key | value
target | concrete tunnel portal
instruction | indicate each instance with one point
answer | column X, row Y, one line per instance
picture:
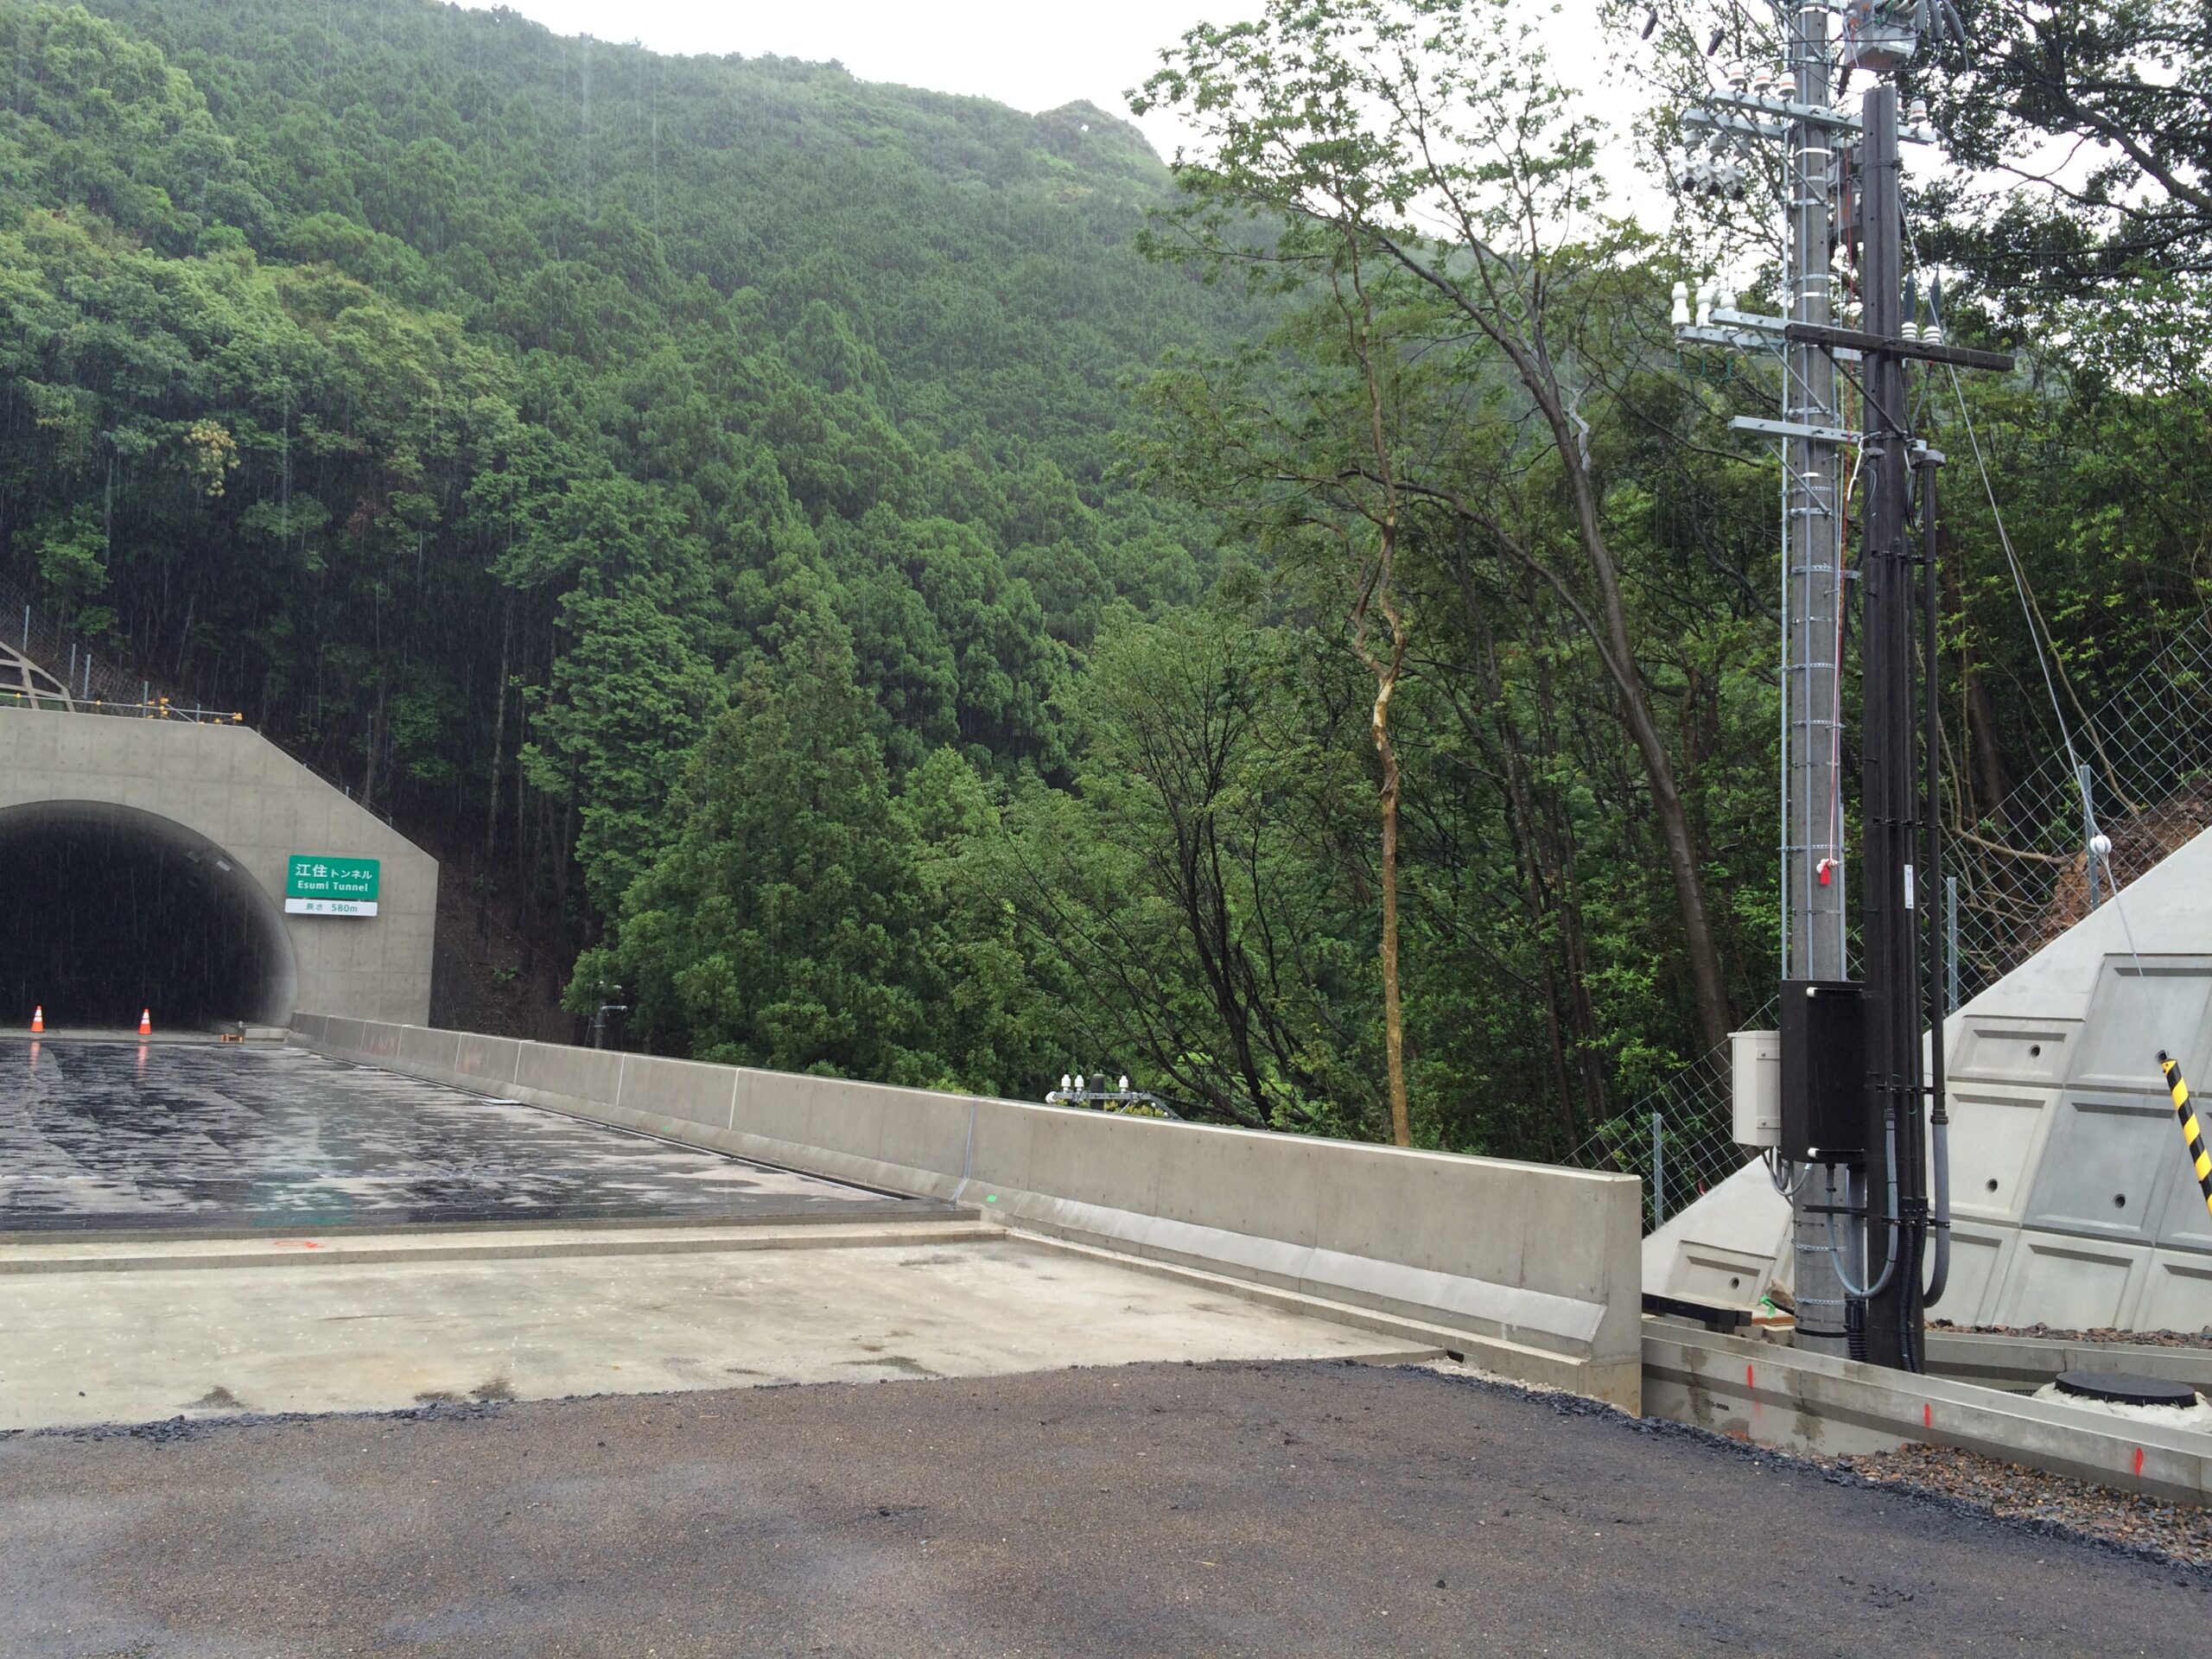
column 106, row 909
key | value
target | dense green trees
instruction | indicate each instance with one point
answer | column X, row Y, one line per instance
column 738, row 519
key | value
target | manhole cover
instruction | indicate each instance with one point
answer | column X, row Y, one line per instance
column 2122, row 1389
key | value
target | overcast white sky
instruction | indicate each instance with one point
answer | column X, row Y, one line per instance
column 1031, row 54
column 1035, row 55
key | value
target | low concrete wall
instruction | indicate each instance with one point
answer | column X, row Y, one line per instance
column 1537, row 1265
column 2028, row 1363
column 1794, row 1402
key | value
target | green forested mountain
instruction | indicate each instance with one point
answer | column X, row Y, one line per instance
column 739, row 518
column 369, row 361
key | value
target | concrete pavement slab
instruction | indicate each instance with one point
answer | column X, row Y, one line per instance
column 134, row 1346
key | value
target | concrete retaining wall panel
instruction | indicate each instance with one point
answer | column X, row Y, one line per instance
column 576, row 1074
column 348, row 1036
column 2134, row 1014
column 2177, row 1288
column 426, row 1048
column 488, row 1062
column 1980, row 1255
column 2183, row 1221
column 2076, row 1284
column 681, row 1090
column 2098, row 1174
column 1999, row 1048
column 1998, row 1133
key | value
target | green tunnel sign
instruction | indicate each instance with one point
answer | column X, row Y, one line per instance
column 318, row 885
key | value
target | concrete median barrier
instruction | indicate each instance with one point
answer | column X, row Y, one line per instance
column 1539, row 1266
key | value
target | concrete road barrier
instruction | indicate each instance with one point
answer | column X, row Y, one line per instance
column 1539, row 1266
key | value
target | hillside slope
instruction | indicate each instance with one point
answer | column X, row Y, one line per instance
column 470, row 404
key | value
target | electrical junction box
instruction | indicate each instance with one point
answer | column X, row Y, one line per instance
column 1879, row 35
column 1755, row 1086
column 1823, row 1070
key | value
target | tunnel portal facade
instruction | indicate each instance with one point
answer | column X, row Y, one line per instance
column 157, row 865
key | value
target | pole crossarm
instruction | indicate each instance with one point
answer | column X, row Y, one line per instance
column 1767, row 429
column 1828, row 338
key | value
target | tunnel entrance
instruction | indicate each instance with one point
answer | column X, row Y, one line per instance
column 105, row 909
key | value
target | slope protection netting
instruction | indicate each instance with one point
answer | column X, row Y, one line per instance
column 97, row 680
column 2018, row 878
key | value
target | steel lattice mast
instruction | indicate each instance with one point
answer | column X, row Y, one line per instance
column 1857, row 1097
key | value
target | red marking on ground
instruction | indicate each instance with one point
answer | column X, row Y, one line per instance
column 298, row 1244
column 1747, row 1378
column 2139, row 1460
column 1927, row 1415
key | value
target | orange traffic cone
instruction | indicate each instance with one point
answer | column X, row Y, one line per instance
column 38, row 1018
column 145, row 1022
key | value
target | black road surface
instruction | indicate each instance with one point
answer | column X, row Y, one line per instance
column 98, row 1135
column 1277, row 1511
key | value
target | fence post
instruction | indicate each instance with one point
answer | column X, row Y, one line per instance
column 2088, row 830
column 1658, row 1171
column 1951, row 944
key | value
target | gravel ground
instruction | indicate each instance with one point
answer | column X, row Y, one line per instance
column 2101, row 1333
column 1288, row 1509
column 2173, row 1532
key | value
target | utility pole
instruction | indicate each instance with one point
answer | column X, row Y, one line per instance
column 1890, row 795
column 1858, row 1096
column 1813, row 869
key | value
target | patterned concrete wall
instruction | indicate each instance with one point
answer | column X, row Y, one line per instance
column 230, row 789
column 2073, row 1199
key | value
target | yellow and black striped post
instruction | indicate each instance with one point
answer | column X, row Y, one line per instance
column 2189, row 1132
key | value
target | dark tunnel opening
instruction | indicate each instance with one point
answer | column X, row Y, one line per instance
column 105, row 909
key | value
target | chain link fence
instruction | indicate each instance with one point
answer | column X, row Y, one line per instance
column 1680, row 1138
column 97, row 680
column 2141, row 768
column 35, row 648
column 2018, row 878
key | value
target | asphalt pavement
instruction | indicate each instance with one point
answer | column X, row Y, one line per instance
column 1277, row 1509
column 104, row 1135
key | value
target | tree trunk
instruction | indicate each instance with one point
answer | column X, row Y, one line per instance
column 1558, row 847
column 499, row 726
column 1714, row 1018
column 1986, row 755
column 1393, row 1028
column 1529, row 845
column 1531, row 362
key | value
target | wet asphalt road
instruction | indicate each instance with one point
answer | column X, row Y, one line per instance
column 1277, row 1511
column 97, row 1134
